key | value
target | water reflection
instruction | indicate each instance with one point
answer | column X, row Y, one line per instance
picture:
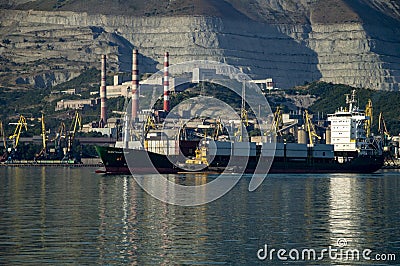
column 344, row 203
column 146, row 230
column 73, row 216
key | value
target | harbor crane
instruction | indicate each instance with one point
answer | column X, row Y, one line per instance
column 43, row 151
column 15, row 137
column 58, row 138
column 310, row 128
column 382, row 129
column 278, row 121
column 17, row 132
column 150, row 124
column 3, row 136
column 77, row 121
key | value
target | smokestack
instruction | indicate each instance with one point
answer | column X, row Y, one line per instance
column 166, row 82
column 103, row 93
column 135, row 84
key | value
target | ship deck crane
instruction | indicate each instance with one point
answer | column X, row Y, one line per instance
column 310, row 128
column 150, row 124
column 369, row 113
column 219, row 128
column 278, row 121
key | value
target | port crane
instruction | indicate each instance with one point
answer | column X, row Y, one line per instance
column 150, row 124
column 60, row 135
column 17, row 132
column 310, row 128
column 3, row 135
column 382, row 126
column 77, row 121
column 382, row 129
column 278, row 121
column 43, row 151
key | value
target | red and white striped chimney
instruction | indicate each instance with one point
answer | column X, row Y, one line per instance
column 166, row 82
column 135, row 84
column 103, row 93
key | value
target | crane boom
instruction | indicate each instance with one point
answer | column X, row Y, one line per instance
column 77, row 121
column 382, row 129
column 310, row 128
column 278, row 121
column 17, row 132
column 3, row 135
column 43, row 152
column 368, row 122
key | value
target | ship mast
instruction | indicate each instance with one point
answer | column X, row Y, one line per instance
column 351, row 101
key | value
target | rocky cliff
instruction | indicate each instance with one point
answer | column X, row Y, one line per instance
column 351, row 42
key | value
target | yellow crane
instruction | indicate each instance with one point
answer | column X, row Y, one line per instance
column 310, row 128
column 369, row 113
column 17, row 132
column 243, row 112
column 150, row 124
column 43, row 152
column 245, row 117
column 77, row 121
column 278, row 121
column 219, row 128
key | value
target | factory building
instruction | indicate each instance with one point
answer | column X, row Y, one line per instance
column 76, row 104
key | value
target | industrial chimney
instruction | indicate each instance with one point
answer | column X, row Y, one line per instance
column 166, row 82
column 103, row 93
column 135, row 84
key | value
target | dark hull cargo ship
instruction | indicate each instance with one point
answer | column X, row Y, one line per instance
column 350, row 150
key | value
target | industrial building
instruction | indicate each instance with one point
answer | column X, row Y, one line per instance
column 80, row 104
column 133, row 88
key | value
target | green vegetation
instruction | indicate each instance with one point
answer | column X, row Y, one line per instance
column 331, row 96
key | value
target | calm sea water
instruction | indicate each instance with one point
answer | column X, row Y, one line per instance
column 74, row 216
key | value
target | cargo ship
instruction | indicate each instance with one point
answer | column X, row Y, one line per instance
column 348, row 149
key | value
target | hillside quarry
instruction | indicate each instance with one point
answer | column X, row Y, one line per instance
column 47, row 42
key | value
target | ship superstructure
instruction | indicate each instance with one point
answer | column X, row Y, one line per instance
column 348, row 131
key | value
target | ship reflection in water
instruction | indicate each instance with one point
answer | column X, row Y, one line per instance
column 65, row 215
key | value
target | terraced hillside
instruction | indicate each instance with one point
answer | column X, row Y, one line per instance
column 355, row 42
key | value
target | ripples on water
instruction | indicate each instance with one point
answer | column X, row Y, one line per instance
column 66, row 215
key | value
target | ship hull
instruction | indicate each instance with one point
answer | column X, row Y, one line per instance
column 145, row 162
